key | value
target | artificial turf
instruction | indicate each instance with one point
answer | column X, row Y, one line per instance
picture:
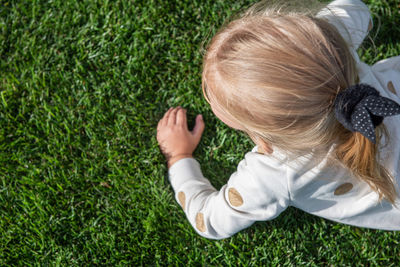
column 82, row 181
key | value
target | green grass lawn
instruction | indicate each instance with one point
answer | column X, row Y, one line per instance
column 82, row 181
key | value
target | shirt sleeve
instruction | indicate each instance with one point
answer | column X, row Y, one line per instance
column 257, row 191
column 351, row 18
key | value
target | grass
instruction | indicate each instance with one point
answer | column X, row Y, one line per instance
column 82, row 182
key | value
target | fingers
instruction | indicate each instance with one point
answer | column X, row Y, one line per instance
column 166, row 115
column 181, row 117
column 198, row 127
column 172, row 116
column 164, row 119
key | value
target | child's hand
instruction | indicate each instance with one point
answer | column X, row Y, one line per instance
column 175, row 140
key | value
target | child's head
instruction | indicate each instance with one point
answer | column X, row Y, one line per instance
column 275, row 76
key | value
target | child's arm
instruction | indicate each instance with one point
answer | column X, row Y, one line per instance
column 351, row 18
column 248, row 196
column 256, row 191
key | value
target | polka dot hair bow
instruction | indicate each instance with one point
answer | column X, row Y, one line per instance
column 360, row 108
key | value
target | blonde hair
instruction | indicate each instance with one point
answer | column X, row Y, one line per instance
column 276, row 73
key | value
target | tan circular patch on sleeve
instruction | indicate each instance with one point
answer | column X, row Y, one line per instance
column 370, row 25
column 200, row 222
column 343, row 189
column 391, row 87
column 234, row 197
column 182, row 199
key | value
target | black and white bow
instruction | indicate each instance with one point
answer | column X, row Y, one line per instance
column 360, row 108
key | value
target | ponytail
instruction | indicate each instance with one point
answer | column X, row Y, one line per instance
column 360, row 155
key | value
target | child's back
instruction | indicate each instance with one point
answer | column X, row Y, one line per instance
column 331, row 179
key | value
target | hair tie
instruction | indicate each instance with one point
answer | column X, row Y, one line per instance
column 360, row 108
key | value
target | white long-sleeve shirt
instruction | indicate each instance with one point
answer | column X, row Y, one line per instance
column 264, row 185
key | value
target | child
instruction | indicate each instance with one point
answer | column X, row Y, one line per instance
column 295, row 84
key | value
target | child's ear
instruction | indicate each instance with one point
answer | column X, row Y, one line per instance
column 264, row 147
